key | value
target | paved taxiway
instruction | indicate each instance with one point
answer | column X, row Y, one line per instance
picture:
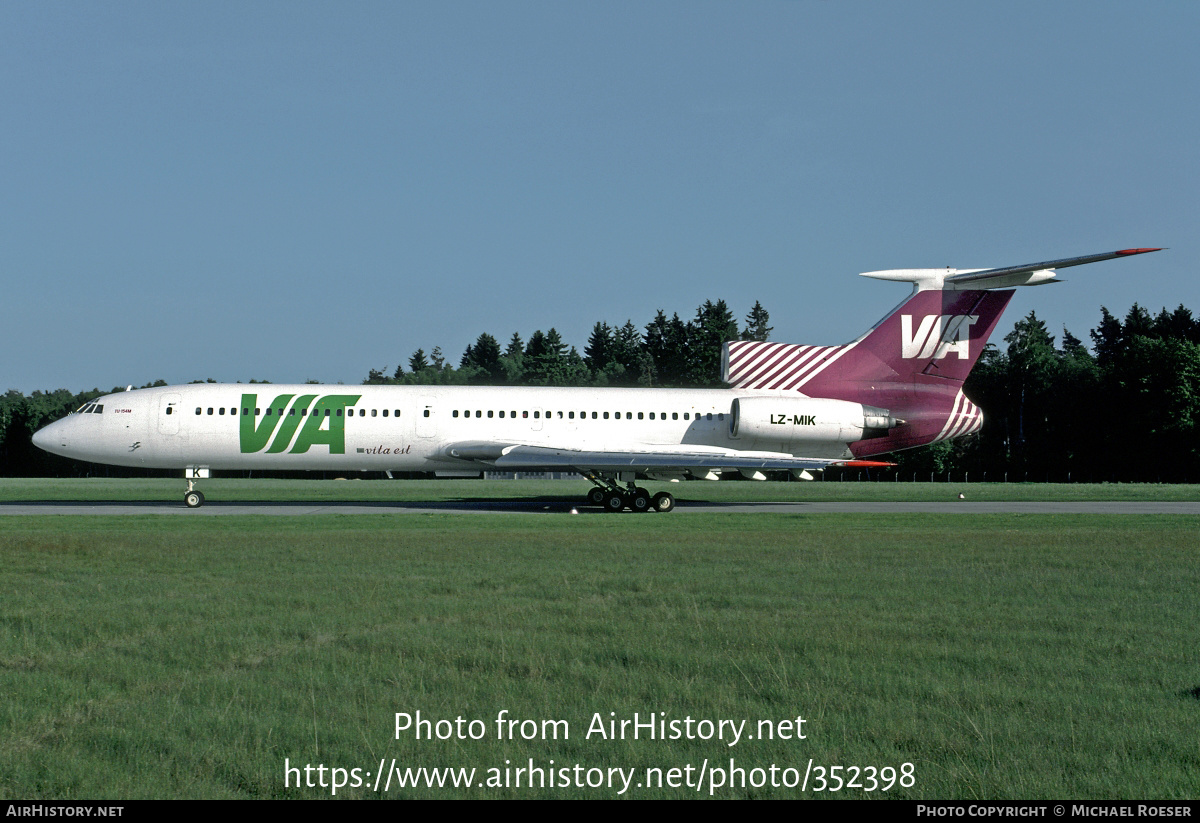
column 220, row 509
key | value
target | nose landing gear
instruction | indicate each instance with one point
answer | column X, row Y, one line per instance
column 194, row 498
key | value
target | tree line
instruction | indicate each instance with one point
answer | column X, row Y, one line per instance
column 667, row 352
column 1127, row 408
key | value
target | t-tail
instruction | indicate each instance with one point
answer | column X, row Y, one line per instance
column 912, row 364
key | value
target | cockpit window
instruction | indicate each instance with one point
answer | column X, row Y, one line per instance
column 90, row 408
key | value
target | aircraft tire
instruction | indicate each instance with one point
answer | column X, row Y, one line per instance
column 193, row 499
column 639, row 501
column 596, row 496
column 663, row 502
column 614, row 502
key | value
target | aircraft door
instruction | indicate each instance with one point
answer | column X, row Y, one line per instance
column 168, row 414
column 426, row 417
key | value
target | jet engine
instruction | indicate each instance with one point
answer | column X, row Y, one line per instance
column 786, row 421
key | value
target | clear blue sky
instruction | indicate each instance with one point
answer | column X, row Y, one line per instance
column 301, row 190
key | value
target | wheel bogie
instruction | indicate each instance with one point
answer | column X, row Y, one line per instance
column 193, row 499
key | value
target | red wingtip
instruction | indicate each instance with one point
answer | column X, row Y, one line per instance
column 1135, row 251
column 866, row 464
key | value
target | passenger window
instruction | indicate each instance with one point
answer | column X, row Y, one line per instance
column 594, row 415
column 168, row 409
column 628, row 415
column 385, row 412
column 375, row 413
column 397, row 414
column 197, row 410
column 640, row 416
column 651, row 415
column 502, row 413
column 537, row 415
column 339, row 412
column 222, row 411
column 686, row 416
column 454, row 413
column 674, row 415
column 570, row 415
column 710, row 415
column 210, row 410
column 491, row 413
column 606, row 415
column 427, row 413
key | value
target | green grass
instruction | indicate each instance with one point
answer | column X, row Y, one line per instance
column 1005, row 657
column 315, row 490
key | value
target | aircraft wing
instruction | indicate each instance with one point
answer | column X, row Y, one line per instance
column 522, row 457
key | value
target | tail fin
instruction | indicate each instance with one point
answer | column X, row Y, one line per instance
column 912, row 362
column 934, row 334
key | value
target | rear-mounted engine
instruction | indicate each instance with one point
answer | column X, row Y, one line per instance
column 794, row 419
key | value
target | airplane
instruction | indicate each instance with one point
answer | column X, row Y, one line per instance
column 787, row 407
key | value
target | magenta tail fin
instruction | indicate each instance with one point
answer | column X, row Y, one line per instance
column 912, row 364
column 933, row 335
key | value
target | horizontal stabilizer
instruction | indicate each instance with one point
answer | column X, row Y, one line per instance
column 1029, row 274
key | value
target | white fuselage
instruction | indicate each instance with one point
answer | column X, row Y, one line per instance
column 407, row 428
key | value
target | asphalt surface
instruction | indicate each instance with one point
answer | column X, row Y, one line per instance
column 282, row 509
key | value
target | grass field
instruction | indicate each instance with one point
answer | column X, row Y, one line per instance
column 1003, row 656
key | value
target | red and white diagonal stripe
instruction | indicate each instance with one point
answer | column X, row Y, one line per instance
column 783, row 366
column 965, row 418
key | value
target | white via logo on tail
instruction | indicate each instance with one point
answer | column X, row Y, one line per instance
column 936, row 336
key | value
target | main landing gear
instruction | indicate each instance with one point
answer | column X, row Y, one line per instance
column 609, row 494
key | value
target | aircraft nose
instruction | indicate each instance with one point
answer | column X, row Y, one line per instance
column 51, row 438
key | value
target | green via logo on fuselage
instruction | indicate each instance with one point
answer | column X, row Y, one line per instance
column 284, row 417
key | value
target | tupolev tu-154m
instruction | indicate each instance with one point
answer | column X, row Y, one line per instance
column 787, row 407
